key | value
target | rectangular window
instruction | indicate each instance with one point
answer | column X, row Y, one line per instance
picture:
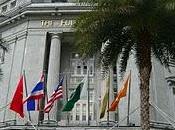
column 91, row 95
column 84, row 70
column 13, row 4
column 90, row 70
column 77, row 112
column 84, row 112
column 90, row 116
column 91, row 111
column 4, row 9
column 78, row 69
column 71, row 116
column 77, row 117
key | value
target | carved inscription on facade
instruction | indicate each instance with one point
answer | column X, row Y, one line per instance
column 46, row 23
column 57, row 23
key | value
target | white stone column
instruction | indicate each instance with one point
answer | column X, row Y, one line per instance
column 54, row 69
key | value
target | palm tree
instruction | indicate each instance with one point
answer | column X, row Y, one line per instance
column 146, row 27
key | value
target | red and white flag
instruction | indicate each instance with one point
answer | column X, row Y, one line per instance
column 57, row 94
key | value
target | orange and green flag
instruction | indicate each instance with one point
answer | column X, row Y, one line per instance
column 122, row 93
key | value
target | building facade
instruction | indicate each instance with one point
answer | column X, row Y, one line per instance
column 40, row 37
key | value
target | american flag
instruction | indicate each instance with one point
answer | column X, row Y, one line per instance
column 57, row 94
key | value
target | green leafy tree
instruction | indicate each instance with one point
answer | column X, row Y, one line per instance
column 146, row 27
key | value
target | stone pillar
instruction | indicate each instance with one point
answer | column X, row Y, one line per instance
column 54, row 69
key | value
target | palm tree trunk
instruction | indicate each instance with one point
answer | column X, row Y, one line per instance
column 144, row 64
column 144, row 98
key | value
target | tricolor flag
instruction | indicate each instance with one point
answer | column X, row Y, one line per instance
column 33, row 105
column 17, row 101
column 57, row 94
column 121, row 93
column 36, row 94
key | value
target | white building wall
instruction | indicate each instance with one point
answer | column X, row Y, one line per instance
column 29, row 56
column 161, row 94
column 134, row 96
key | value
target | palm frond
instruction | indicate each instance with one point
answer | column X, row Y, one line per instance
column 160, row 53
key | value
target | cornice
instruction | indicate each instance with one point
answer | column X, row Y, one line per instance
column 48, row 9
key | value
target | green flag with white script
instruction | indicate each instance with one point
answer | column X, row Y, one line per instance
column 75, row 96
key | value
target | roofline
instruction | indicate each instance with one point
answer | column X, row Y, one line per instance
column 44, row 8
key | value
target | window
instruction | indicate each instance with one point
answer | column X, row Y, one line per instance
column 91, row 112
column 71, row 116
column 13, row 4
column 90, row 70
column 91, row 95
column 84, row 112
column 84, row 69
column 4, row 9
column 77, row 112
column 78, row 69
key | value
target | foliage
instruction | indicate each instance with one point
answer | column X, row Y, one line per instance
column 144, row 27
column 121, row 22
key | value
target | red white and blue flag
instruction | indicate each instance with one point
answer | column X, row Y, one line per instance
column 57, row 94
column 36, row 94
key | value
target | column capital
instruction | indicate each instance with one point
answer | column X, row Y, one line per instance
column 56, row 35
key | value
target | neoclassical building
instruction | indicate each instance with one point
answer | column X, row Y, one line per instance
column 40, row 37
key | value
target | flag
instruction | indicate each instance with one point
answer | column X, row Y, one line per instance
column 57, row 94
column 36, row 94
column 33, row 105
column 122, row 93
column 38, row 90
column 105, row 99
column 17, row 101
column 75, row 96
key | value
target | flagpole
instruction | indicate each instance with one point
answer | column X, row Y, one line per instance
column 108, row 97
column 88, row 97
column 129, row 95
column 26, row 92
column 23, row 55
column 67, row 100
column 47, row 98
column 41, row 102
